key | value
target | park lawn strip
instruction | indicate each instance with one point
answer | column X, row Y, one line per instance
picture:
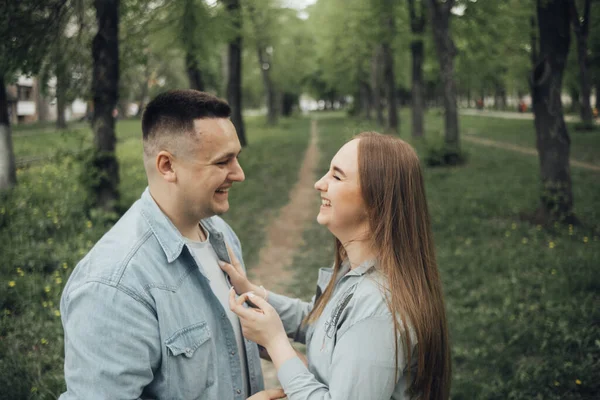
column 585, row 146
column 522, row 301
column 45, row 229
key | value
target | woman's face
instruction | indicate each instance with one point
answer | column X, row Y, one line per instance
column 343, row 210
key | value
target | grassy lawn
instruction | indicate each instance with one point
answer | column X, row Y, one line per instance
column 522, row 301
column 585, row 146
column 45, row 230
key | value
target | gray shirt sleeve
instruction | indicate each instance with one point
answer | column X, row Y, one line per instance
column 112, row 343
column 363, row 366
column 292, row 312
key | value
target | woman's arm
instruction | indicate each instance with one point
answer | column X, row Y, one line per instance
column 363, row 363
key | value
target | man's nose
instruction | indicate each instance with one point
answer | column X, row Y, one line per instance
column 237, row 174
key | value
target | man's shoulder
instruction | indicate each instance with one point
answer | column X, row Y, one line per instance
column 129, row 244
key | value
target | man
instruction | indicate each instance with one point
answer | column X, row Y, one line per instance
column 145, row 313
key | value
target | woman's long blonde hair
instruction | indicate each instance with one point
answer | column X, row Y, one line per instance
column 394, row 194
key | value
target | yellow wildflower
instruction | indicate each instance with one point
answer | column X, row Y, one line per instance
column 65, row 265
column 44, row 341
column 20, row 272
column 577, row 381
column 47, row 289
column 585, row 239
column 524, row 240
column 45, row 304
column 556, row 383
column 553, row 272
column 12, row 284
column 514, row 226
column 58, row 281
column 57, row 313
column 88, row 224
column 551, row 245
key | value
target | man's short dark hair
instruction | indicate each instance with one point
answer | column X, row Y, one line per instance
column 174, row 112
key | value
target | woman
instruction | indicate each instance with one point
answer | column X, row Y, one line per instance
column 376, row 328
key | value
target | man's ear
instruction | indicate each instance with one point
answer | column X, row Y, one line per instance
column 164, row 166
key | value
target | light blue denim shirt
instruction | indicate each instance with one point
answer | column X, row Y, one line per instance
column 351, row 346
column 141, row 321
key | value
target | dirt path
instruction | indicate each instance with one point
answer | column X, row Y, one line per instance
column 284, row 235
column 525, row 150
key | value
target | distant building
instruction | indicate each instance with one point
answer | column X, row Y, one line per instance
column 27, row 104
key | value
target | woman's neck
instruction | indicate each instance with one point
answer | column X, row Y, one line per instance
column 359, row 251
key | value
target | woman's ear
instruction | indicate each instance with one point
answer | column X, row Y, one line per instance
column 164, row 166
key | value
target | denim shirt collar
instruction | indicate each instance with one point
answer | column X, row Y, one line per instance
column 169, row 237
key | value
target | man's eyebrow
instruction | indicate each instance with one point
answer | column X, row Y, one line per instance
column 339, row 170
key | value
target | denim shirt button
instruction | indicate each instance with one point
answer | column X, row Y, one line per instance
column 238, row 391
column 188, row 352
column 233, row 353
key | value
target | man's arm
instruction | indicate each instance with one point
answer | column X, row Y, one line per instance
column 112, row 342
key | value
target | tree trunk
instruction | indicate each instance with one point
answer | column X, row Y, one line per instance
column 271, row 94
column 61, row 101
column 574, row 94
column 376, row 83
column 388, row 75
column 552, row 137
column 288, row 100
column 417, row 27
column 440, row 22
column 365, row 99
column 581, row 29
column 234, row 72
column 418, row 103
column 193, row 71
column 8, row 175
column 105, row 85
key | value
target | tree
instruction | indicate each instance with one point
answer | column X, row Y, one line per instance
column 553, row 140
column 417, row 27
column 439, row 12
column 262, row 18
column 105, row 87
column 234, row 70
column 581, row 27
column 27, row 28
column 387, row 11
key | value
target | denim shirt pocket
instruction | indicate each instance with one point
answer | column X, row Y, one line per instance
column 191, row 361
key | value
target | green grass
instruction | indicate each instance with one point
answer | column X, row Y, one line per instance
column 522, row 302
column 585, row 146
column 45, row 230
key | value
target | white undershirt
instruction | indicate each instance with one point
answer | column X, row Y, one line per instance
column 205, row 255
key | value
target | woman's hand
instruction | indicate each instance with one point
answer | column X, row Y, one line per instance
column 262, row 325
column 269, row 394
column 236, row 273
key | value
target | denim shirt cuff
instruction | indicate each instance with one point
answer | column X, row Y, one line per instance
column 290, row 370
column 277, row 301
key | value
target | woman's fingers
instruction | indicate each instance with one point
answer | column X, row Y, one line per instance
column 259, row 302
column 275, row 393
column 232, row 257
column 237, row 305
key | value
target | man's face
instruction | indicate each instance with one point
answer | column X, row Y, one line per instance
column 208, row 169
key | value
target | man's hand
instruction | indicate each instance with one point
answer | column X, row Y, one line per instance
column 269, row 394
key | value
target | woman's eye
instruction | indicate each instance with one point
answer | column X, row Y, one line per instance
column 336, row 177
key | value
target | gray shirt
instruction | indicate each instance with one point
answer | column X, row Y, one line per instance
column 204, row 254
column 350, row 348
